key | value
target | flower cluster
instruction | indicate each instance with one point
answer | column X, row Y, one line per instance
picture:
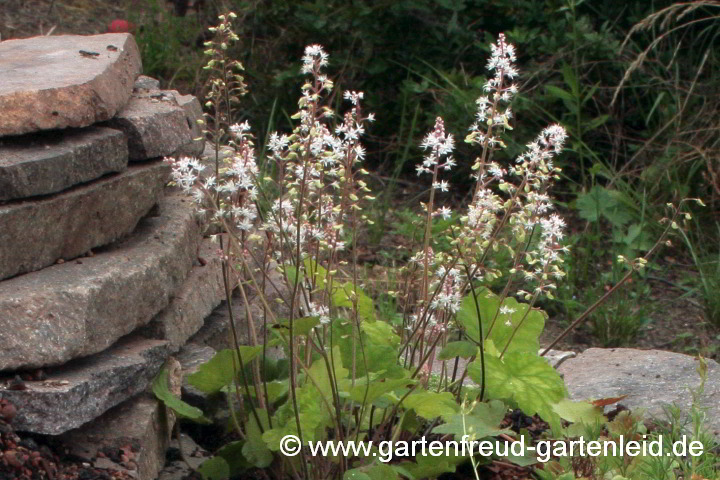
column 440, row 146
column 318, row 176
column 490, row 111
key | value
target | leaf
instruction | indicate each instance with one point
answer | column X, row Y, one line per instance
column 595, row 123
column 301, row 326
column 380, row 333
column 374, row 471
column 378, row 388
column 529, row 327
column 315, row 273
column 462, row 348
column 214, row 468
column 163, row 393
column 579, row 412
column 601, row 202
column 604, row 402
column 314, row 400
column 591, row 205
column 255, row 450
column 560, row 93
column 220, row 370
column 275, row 390
column 380, row 357
column 427, row 466
column 483, row 421
column 343, row 295
column 232, row 453
column 431, row 405
column 524, row 378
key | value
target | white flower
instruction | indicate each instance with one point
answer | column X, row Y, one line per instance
column 314, row 55
column 444, row 212
column 505, row 310
column 354, row 97
column 442, row 185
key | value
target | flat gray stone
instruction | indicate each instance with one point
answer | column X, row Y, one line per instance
column 141, row 427
column 156, row 126
column 37, row 232
column 80, row 308
column 84, row 389
column 48, row 82
column 49, row 162
column 202, row 291
column 651, row 379
column 194, row 112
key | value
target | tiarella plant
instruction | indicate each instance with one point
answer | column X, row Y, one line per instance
column 287, row 230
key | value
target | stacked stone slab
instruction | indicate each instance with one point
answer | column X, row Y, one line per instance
column 104, row 272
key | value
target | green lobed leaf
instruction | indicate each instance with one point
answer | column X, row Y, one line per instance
column 255, row 451
column 579, row 412
column 219, row 371
column 374, row 471
column 214, row 468
column 426, row 466
column 524, row 378
column 483, row 421
column 462, row 348
column 431, row 405
column 529, row 327
column 232, row 453
column 301, row 326
column 314, row 400
column 377, row 388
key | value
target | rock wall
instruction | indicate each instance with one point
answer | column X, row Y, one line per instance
column 104, row 271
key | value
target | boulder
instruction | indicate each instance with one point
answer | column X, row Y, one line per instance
column 36, row 233
column 84, row 389
column 651, row 379
column 82, row 307
column 49, row 162
column 131, row 438
column 156, row 126
column 202, row 291
column 61, row 81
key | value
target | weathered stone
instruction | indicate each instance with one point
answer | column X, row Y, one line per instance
column 140, row 427
column 202, row 291
column 194, row 112
column 194, row 454
column 80, row 308
column 649, row 378
column 36, row 233
column 61, row 81
column 49, row 162
column 155, row 126
column 191, row 356
column 145, row 83
column 84, row 389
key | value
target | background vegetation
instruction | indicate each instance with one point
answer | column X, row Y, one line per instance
column 633, row 83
